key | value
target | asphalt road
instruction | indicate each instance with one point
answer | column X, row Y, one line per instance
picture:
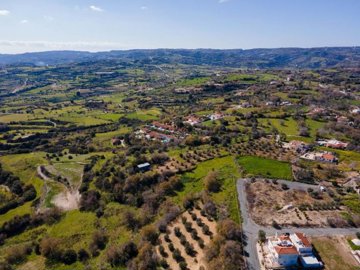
column 251, row 229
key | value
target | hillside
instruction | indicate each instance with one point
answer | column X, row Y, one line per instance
column 311, row 58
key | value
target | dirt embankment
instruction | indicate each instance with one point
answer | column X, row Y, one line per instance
column 68, row 199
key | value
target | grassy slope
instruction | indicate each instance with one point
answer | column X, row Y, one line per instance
column 228, row 173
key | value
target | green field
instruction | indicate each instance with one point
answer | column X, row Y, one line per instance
column 228, row 173
column 258, row 166
column 146, row 115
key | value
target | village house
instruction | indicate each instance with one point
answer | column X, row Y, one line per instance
column 162, row 127
column 192, row 120
column 216, row 116
column 333, row 144
column 297, row 146
column 288, row 250
column 320, row 156
column 283, row 252
column 148, row 134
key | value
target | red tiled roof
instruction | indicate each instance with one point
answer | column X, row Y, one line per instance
column 286, row 250
column 328, row 156
column 303, row 239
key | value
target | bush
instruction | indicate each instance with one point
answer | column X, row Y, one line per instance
column 177, row 232
column 17, row 254
column 177, row 255
column 206, row 230
column 194, row 235
column 212, row 182
column 171, row 247
column 189, row 249
column 162, row 251
column 167, row 238
column 183, row 265
column 83, row 255
column 69, row 257
column 188, row 226
column 150, row 234
column 262, row 236
column 201, row 243
column 164, row 264
column 199, row 222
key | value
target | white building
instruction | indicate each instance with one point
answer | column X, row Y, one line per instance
column 283, row 251
column 289, row 249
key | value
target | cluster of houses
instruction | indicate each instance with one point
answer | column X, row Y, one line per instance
column 323, row 156
column 333, row 144
column 303, row 149
column 282, row 103
column 290, row 250
column 195, row 119
column 157, row 131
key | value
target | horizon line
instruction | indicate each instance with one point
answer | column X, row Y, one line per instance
column 178, row 48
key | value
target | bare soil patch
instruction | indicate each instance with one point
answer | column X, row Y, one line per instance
column 269, row 202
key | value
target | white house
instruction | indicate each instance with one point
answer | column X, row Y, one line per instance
column 289, row 249
column 283, row 251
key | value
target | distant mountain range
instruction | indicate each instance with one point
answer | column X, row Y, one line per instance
column 311, row 58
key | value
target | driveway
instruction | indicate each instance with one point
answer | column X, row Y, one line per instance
column 251, row 229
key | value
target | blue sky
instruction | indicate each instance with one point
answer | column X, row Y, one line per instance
column 38, row 25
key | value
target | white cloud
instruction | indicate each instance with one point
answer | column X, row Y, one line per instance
column 4, row 12
column 11, row 46
column 96, row 9
column 144, row 8
column 24, row 21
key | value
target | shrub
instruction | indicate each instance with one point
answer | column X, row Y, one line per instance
column 189, row 249
column 199, row 222
column 17, row 254
column 83, row 255
column 69, row 257
column 162, row 251
column 177, row 255
column 201, row 243
column 262, row 236
column 212, row 182
column 167, row 238
column 194, row 235
column 188, row 226
column 150, row 234
column 177, row 232
column 206, row 230
column 171, row 247
column 183, row 265
column 164, row 264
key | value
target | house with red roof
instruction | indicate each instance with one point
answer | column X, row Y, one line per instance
column 290, row 250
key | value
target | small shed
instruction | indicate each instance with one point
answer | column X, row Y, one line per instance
column 144, row 167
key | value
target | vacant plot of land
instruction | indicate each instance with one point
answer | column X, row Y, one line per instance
column 335, row 253
column 145, row 115
column 269, row 201
column 287, row 126
column 269, row 168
